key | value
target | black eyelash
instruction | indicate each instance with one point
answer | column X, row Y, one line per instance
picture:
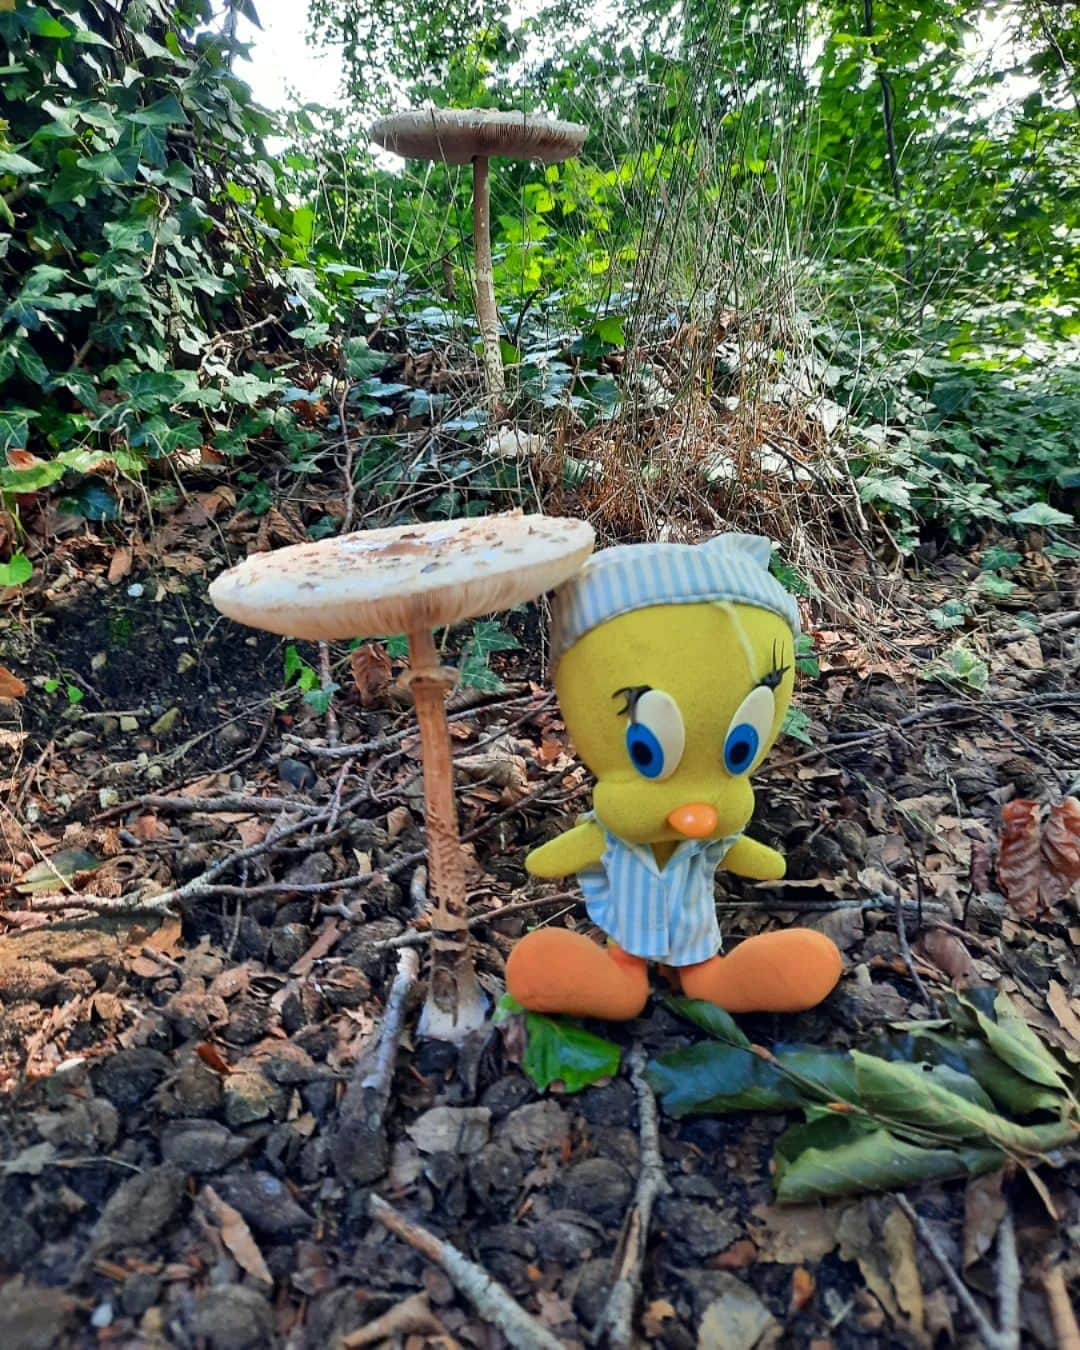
column 631, row 693
column 772, row 680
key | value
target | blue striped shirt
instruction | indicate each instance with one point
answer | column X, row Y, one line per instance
column 665, row 914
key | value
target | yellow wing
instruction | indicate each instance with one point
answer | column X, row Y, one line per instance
column 581, row 847
column 747, row 858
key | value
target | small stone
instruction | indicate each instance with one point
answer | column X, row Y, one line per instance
column 107, row 796
column 567, row 1236
column 451, row 1129
column 495, row 1174
column 610, row 1105
column 140, row 1292
column 154, row 773
column 202, row 1147
column 193, row 1012
column 139, row 1209
column 186, row 661
column 87, row 1125
column 250, row 1097
column 506, row 1094
column 249, row 1021
column 286, row 1063
column 28, row 982
column 129, row 723
column 288, row 943
column 597, row 1186
column 33, row 1316
column 234, row 1317
column 195, row 1091
column 588, row 1289
column 345, row 987
column 264, row 1201
column 700, row 1230
column 165, row 722
column 19, row 1240
column 297, row 774
column 129, row 1077
column 537, row 1126
column 737, row 1320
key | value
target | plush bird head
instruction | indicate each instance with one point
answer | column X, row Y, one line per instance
column 674, row 704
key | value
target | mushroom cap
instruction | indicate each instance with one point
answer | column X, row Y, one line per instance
column 402, row 579
column 459, row 135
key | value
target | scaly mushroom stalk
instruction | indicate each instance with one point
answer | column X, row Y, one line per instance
column 412, row 579
column 487, row 316
column 475, row 136
column 455, row 1004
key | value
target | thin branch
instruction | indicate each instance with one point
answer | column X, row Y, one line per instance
column 617, row 1320
column 495, row 1304
column 360, row 1148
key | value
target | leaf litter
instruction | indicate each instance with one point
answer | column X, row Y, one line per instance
column 248, row 1010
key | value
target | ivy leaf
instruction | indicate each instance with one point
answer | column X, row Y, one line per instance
column 41, row 24
column 16, row 570
column 166, row 112
column 560, row 1051
column 796, row 724
column 12, row 163
column 1040, row 513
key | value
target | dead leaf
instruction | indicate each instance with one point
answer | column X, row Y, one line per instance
column 213, row 1058
column 653, row 1317
column 984, row 1208
column 120, row 565
column 411, row 1316
column 451, row 1129
column 236, row 1235
column 10, row 684
column 948, row 953
column 1064, row 1009
column 802, row 1289
column 899, row 1237
column 166, row 937
column 371, row 669
column 794, row 1233
column 1061, row 840
column 1019, row 857
column 398, row 818
column 554, row 1311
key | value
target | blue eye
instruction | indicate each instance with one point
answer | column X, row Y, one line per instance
column 740, row 748
column 750, row 731
column 645, row 751
column 656, row 737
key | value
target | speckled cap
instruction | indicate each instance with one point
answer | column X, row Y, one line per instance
column 402, row 579
column 460, row 135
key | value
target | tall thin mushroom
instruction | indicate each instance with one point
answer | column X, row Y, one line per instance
column 412, row 579
column 477, row 135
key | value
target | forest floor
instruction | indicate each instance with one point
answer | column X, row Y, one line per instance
column 171, row 1084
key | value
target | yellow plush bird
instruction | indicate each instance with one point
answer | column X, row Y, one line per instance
column 674, row 666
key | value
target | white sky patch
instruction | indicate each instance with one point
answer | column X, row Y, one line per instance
column 286, row 69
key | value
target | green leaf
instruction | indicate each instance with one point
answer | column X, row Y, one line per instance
column 50, row 874
column 912, row 1094
column 41, row 24
column 1039, row 513
column 164, row 113
column 710, row 1018
column 10, row 162
column 875, row 1161
column 16, row 570
column 559, row 1051
column 14, row 428
column 1013, row 1041
column 712, row 1078
column 998, row 559
column 796, row 724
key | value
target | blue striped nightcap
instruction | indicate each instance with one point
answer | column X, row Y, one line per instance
column 620, row 580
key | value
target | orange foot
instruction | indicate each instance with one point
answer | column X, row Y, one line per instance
column 787, row 971
column 555, row 971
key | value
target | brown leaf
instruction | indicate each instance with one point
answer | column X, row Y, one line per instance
column 166, row 937
column 1061, row 841
column 236, row 1235
column 802, row 1289
column 984, row 1208
column 1064, row 1009
column 653, row 1317
column 398, row 818
column 120, row 565
column 212, row 1057
column 10, row 684
column 899, row 1238
column 371, row 671
column 412, row 1315
column 949, row 954
column 1019, row 858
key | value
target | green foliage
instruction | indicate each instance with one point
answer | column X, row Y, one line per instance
column 16, row 570
column 560, row 1052
column 487, row 637
column 913, row 1105
column 959, row 666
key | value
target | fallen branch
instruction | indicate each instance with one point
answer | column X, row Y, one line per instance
column 1006, row 1339
column 494, row 1303
column 1051, row 623
column 360, row 1149
column 417, row 937
column 226, row 801
column 617, row 1320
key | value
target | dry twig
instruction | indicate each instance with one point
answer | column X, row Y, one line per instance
column 494, row 1303
column 360, row 1148
column 617, row 1320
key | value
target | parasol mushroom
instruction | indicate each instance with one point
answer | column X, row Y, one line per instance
column 476, row 135
column 412, row 579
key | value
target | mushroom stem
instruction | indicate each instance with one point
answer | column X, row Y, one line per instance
column 455, row 1005
column 484, row 289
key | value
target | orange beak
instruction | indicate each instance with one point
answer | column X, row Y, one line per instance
column 696, row 821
